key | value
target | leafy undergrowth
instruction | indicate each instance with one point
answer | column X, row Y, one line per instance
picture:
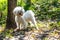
column 48, row 30
column 2, row 28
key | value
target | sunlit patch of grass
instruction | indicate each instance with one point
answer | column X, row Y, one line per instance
column 4, row 25
column 2, row 28
column 41, row 25
column 45, row 38
column 54, row 33
column 44, row 25
column 49, row 25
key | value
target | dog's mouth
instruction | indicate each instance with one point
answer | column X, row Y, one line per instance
column 20, row 14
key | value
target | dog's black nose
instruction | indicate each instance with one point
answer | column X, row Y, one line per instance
column 19, row 13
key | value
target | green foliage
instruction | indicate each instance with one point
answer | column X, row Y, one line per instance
column 43, row 9
column 3, row 11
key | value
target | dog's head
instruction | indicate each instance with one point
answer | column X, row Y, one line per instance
column 19, row 11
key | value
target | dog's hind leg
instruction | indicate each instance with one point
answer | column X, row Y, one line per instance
column 34, row 22
column 31, row 24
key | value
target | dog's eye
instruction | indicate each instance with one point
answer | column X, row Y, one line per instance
column 21, row 11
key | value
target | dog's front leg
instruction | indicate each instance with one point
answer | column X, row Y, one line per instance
column 21, row 26
column 18, row 25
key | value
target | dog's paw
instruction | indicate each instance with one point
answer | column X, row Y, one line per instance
column 17, row 29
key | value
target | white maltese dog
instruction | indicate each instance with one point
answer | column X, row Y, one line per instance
column 22, row 18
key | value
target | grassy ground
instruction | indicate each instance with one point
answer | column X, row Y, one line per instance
column 48, row 30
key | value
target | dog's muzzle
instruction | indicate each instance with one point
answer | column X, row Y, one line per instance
column 21, row 14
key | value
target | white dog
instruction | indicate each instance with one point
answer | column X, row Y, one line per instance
column 22, row 17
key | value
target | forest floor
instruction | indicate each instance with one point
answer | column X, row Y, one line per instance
column 47, row 31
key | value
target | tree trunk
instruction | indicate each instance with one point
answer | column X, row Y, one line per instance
column 10, row 23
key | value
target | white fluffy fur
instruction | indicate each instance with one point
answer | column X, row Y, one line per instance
column 18, row 9
column 28, row 16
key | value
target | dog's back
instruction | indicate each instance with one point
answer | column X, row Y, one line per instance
column 30, row 12
column 28, row 15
